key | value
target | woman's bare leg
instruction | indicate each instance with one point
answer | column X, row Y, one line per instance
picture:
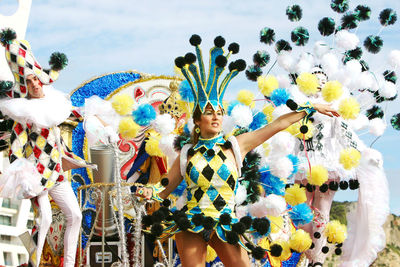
column 192, row 249
column 230, row 255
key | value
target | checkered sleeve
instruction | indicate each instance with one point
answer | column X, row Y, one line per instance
column 19, row 142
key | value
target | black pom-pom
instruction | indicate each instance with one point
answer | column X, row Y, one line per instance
column 191, row 152
column 157, row 229
column 310, row 188
column 180, row 62
column 208, row 223
column 275, row 250
column 291, row 104
column 234, row 48
column 197, row 219
column 164, row 181
column 373, row 44
column 253, row 72
column 221, row 61
column 58, row 61
column 225, row 218
column 249, row 246
column 390, row 76
column 395, row 121
column 303, row 129
column 190, row 58
column 232, row 237
column 353, row 184
column 323, row 188
column 343, row 185
column 5, row 87
column 267, row 36
column 363, row 12
column 166, row 202
column 387, row 17
column 312, row 246
column 7, row 36
column 239, row 228
column 183, row 223
column 294, row 13
column 227, row 144
column 258, row 253
column 261, row 58
column 180, row 141
column 349, row 21
column 219, row 41
column 326, row 26
column 254, row 198
column 247, row 221
column 334, row 186
column 195, row 40
column 374, row 112
column 364, row 65
column 353, row 54
column 163, row 211
column 232, row 66
column 340, row 6
column 300, row 36
column 317, row 235
column 282, row 45
column 325, row 249
column 210, row 152
column 261, row 225
column 338, row 251
column 240, row 64
column 339, row 245
column 147, row 220
column 151, row 238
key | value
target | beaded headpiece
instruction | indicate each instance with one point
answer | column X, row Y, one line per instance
column 207, row 89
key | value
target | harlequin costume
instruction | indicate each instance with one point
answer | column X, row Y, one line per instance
column 37, row 150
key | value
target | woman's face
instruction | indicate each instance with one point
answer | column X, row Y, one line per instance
column 210, row 122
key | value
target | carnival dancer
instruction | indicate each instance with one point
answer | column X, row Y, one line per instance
column 38, row 156
column 211, row 163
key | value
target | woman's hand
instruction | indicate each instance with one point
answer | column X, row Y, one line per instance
column 326, row 110
column 144, row 192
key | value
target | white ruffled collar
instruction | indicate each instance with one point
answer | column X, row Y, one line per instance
column 46, row 112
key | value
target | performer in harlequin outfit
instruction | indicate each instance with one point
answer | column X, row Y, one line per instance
column 211, row 164
column 37, row 154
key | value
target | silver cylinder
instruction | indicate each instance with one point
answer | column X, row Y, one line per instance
column 103, row 156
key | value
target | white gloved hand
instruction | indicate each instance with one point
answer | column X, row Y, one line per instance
column 111, row 134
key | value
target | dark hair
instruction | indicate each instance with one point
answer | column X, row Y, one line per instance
column 196, row 117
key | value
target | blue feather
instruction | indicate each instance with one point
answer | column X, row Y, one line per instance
column 280, row 96
column 259, row 120
column 301, row 214
column 186, row 129
column 271, row 183
column 232, row 104
column 144, row 114
column 295, row 161
column 186, row 91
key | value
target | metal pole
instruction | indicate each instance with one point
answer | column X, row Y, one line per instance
column 103, row 221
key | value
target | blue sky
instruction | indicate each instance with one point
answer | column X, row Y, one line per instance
column 105, row 36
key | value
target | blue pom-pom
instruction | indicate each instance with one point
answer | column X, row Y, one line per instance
column 232, row 104
column 144, row 114
column 301, row 214
column 259, row 120
column 280, row 96
column 295, row 161
column 186, row 91
column 271, row 183
column 179, row 189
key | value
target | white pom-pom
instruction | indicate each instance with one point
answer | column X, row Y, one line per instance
column 284, row 81
column 388, row 90
column 303, row 66
column 281, row 167
column 285, row 60
column 394, row 58
column 228, row 124
column 320, row 48
column 343, row 77
column 377, row 126
column 359, row 123
column 241, row 194
column 275, row 205
column 241, row 211
column 366, row 99
column 164, row 124
column 330, row 64
column 258, row 209
column 353, row 67
column 242, row 115
column 346, row 40
column 282, row 143
column 166, row 145
column 280, row 110
column 365, row 80
column 297, row 95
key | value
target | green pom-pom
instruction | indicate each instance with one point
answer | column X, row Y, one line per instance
column 353, row 54
column 294, row 13
column 5, row 87
column 387, row 17
column 373, row 44
column 58, row 61
column 326, row 26
column 395, row 121
column 363, row 12
column 374, row 112
column 261, row 58
column 300, row 36
column 282, row 45
column 390, row 76
column 340, row 6
column 267, row 36
column 7, row 36
column 253, row 72
column 350, row 21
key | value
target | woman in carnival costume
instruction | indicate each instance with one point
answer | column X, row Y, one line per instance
column 211, row 165
column 38, row 155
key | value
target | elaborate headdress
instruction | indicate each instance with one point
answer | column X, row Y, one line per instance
column 171, row 105
column 206, row 89
column 22, row 63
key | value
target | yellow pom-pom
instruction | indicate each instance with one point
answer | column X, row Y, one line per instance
column 300, row 241
column 246, row 97
column 123, row 104
column 350, row 158
column 335, row 232
column 128, row 128
column 349, row 108
column 276, row 223
column 294, row 130
column 268, row 109
column 152, row 147
column 267, row 149
column 319, row 175
column 286, row 253
column 211, row 254
column 295, row 195
column 331, row 91
column 307, row 83
column 267, row 84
